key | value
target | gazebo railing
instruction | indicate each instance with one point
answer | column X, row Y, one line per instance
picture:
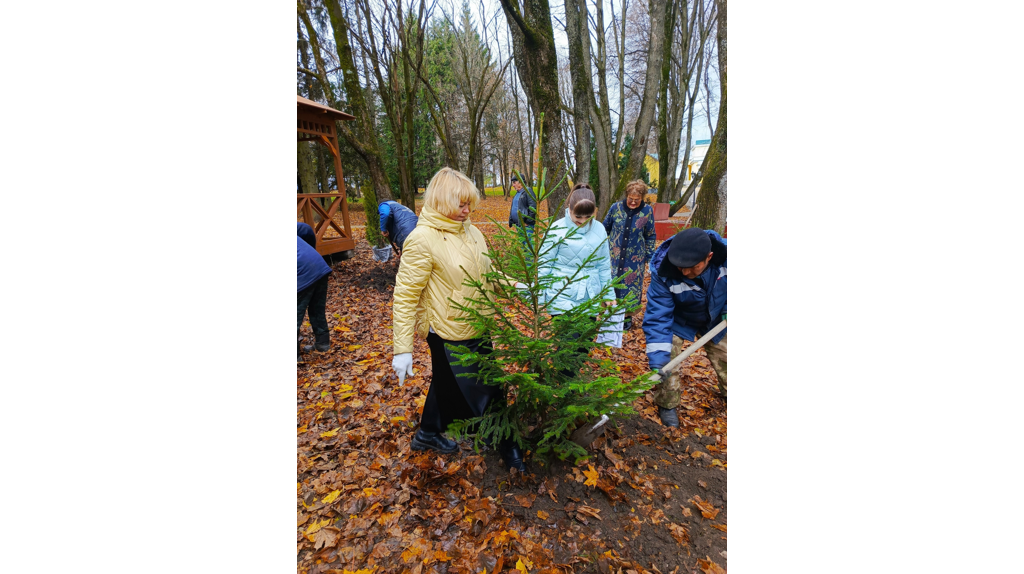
column 308, row 208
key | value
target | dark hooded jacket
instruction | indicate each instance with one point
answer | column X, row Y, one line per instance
column 311, row 265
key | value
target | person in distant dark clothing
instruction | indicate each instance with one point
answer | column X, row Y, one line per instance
column 312, row 276
column 396, row 222
column 524, row 206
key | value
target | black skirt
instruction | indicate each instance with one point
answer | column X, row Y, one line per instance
column 454, row 392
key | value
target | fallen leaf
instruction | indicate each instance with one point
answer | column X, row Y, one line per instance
column 613, row 458
column 525, row 500
column 542, row 515
column 591, row 476
column 332, row 497
column 710, row 567
column 329, row 433
column 315, row 526
column 719, row 526
column 679, row 533
column 589, row 511
column 706, row 509
column 326, row 538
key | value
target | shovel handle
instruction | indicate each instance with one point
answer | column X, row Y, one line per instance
column 674, row 363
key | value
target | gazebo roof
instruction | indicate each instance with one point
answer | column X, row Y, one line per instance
column 311, row 107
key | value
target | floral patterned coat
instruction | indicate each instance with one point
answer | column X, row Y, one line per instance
column 631, row 242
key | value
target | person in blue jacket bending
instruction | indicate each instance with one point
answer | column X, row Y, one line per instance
column 313, row 272
column 396, row 222
column 686, row 298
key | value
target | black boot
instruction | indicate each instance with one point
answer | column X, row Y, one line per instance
column 668, row 417
column 323, row 342
column 512, row 456
column 433, row 441
column 627, row 324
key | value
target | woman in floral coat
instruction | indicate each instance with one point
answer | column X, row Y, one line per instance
column 630, row 227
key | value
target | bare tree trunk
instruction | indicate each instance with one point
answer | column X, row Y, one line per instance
column 655, row 54
column 600, row 116
column 533, row 47
column 577, row 28
column 306, row 173
column 710, row 212
column 365, row 142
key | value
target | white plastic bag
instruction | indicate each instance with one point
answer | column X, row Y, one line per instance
column 381, row 254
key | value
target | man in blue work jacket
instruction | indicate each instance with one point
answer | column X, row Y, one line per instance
column 686, row 298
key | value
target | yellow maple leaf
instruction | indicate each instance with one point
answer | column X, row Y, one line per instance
column 316, row 525
column 354, row 347
column 396, row 419
column 332, row 497
column 542, row 515
column 329, row 433
column 343, row 388
column 344, row 396
column 303, row 429
column 521, row 567
column 591, row 476
column 441, row 556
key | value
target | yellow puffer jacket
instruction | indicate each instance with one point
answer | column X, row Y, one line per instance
column 430, row 275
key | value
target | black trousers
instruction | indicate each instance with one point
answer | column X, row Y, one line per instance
column 454, row 393
column 314, row 300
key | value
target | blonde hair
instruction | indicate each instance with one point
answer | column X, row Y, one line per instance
column 582, row 202
column 449, row 188
column 637, row 186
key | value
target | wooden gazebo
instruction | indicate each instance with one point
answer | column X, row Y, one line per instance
column 316, row 123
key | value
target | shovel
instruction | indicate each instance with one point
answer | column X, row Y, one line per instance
column 587, row 434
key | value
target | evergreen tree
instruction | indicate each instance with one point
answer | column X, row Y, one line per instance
column 553, row 373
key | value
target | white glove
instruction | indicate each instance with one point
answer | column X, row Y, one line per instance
column 402, row 364
column 520, row 286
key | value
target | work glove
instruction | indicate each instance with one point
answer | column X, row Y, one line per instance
column 402, row 364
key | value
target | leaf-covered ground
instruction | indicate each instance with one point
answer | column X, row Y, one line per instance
column 650, row 499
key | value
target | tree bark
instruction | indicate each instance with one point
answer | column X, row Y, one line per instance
column 533, row 47
column 365, row 141
column 306, row 174
column 576, row 28
column 655, row 55
column 710, row 211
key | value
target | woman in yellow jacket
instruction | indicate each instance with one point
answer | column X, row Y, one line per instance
column 429, row 286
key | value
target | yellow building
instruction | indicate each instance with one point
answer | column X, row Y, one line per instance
column 651, row 162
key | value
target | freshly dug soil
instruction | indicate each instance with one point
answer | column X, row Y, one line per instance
column 634, row 526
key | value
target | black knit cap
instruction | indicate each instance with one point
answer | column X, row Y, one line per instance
column 689, row 247
column 515, row 179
